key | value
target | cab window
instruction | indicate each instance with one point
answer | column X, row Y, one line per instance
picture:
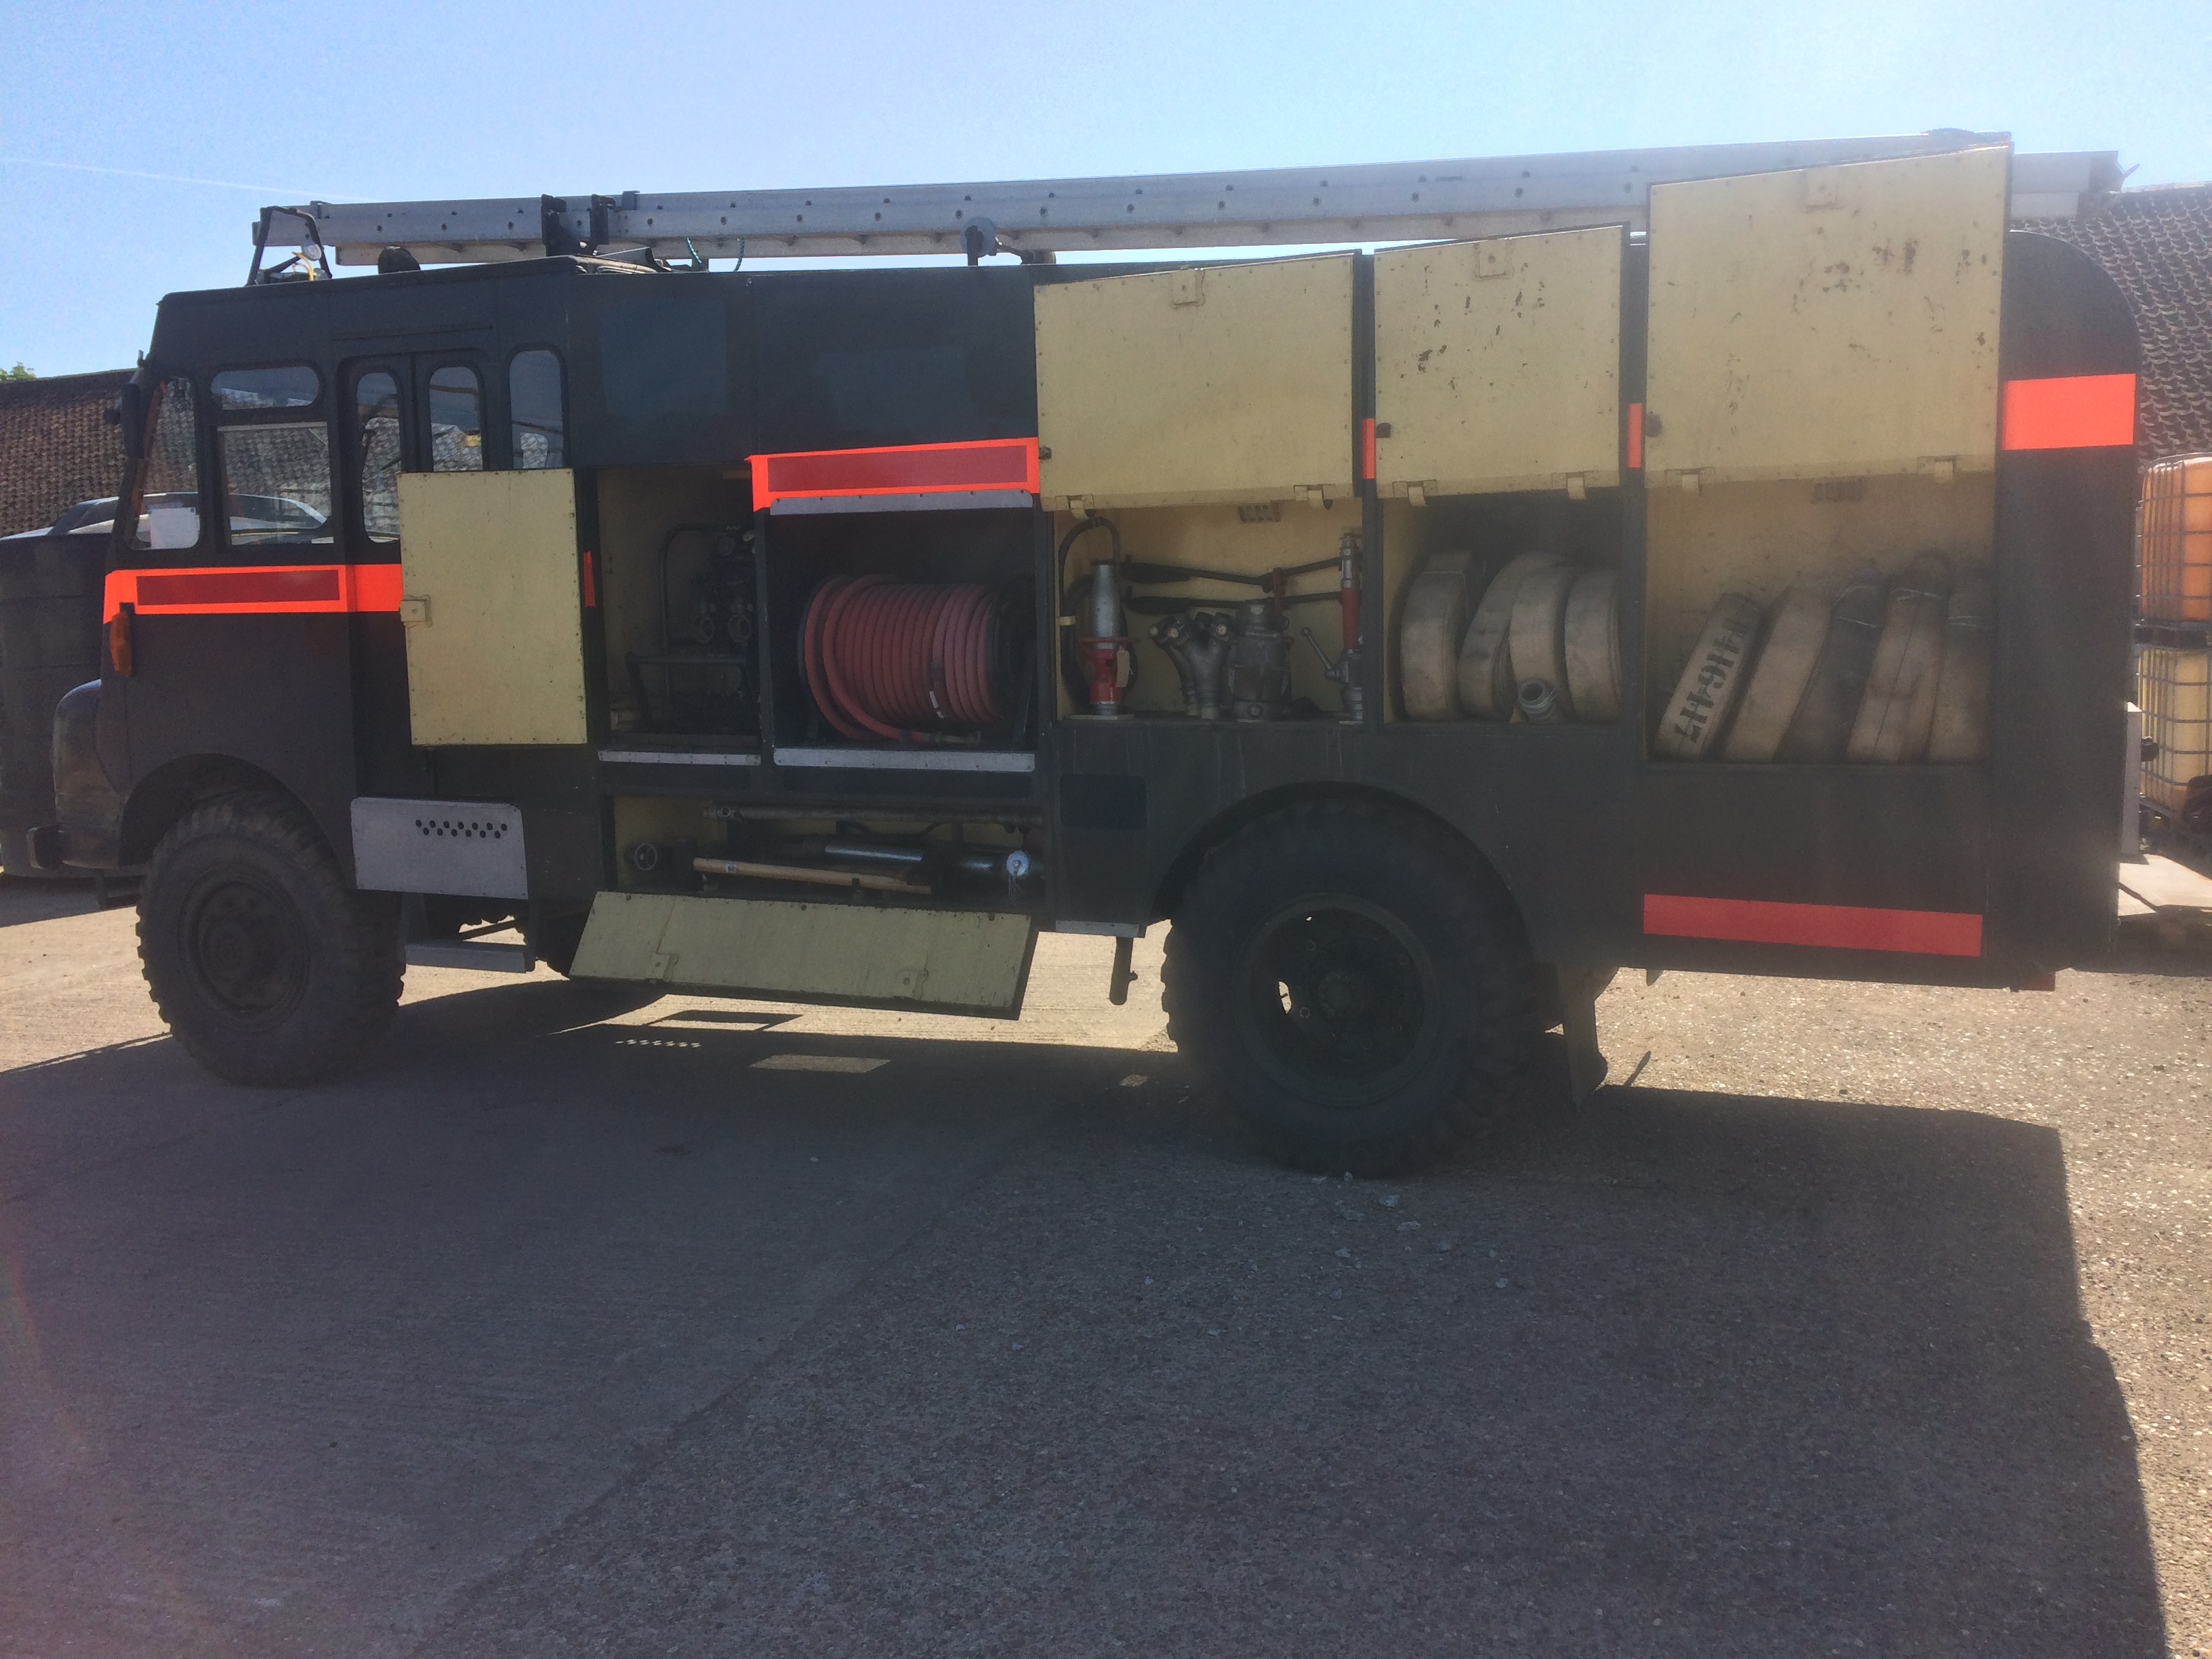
column 169, row 478
column 533, row 398
column 456, row 420
column 376, row 436
column 273, row 446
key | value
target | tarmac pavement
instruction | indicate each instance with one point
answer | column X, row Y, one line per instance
column 1866, row 1321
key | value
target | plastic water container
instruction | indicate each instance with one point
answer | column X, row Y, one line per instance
column 2177, row 540
column 2174, row 690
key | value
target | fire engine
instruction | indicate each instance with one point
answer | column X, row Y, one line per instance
column 1712, row 559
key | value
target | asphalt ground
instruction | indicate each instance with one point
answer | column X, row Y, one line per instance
column 1866, row 1321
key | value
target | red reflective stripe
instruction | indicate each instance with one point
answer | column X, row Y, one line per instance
column 255, row 590
column 1836, row 927
column 1635, row 437
column 2081, row 411
column 905, row 469
column 1367, row 448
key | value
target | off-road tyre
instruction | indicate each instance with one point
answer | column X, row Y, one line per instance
column 1359, row 983
column 269, row 967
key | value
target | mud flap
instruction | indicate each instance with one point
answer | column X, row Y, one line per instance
column 1579, row 989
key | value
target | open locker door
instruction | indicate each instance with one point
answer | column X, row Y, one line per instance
column 492, row 602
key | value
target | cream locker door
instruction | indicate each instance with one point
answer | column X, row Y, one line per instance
column 489, row 574
column 1498, row 364
column 1831, row 322
column 1221, row 384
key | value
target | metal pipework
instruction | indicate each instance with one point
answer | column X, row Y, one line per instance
column 1260, row 663
column 1102, row 645
column 1540, row 703
column 1010, row 865
column 1344, row 672
column 1198, row 643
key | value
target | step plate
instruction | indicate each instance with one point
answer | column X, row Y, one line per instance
column 953, row 960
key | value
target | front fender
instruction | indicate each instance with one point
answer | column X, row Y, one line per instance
column 86, row 805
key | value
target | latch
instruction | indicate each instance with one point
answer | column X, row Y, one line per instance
column 1942, row 469
column 1492, row 258
column 1311, row 495
column 1415, row 491
column 1578, row 486
column 1824, row 188
column 1187, row 288
column 1073, row 503
column 415, row 610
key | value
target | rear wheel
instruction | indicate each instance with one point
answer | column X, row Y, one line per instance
column 269, row 966
column 1357, row 983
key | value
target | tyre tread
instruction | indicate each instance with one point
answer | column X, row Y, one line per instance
column 1468, row 899
column 358, row 954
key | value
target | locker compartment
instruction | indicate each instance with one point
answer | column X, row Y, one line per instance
column 1484, row 593
column 677, row 599
column 1157, row 543
column 1229, row 384
column 1498, row 364
column 1766, row 601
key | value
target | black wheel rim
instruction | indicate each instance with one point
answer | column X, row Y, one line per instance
column 247, row 946
column 1337, row 1001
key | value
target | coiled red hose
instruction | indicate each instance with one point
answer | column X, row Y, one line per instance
column 888, row 659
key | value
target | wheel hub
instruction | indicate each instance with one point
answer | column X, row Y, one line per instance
column 246, row 947
column 1335, row 998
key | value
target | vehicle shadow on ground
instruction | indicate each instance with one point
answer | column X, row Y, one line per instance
column 26, row 899
column 1671, row 1372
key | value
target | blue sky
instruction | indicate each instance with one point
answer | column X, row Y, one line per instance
column 376, row 102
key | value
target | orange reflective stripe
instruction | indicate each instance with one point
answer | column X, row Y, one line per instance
column 989, row 464
column 1367, row 446
column 2079, row 411
column 1635, row 437
column 255, row 590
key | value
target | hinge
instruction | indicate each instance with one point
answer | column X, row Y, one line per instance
column 1187, row 288
column 416, row 610
column 1311, row 495
column 1943, row 469
column 1073, row 503
column 1578, row 486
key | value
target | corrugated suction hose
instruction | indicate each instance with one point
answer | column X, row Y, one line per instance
column 905, row 660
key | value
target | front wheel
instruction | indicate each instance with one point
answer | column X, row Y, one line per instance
column 1357, row 983
column 268, row 965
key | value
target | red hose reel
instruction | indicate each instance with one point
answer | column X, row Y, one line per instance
column 910, row 661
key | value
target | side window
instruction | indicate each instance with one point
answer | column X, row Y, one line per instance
column 533, row 398
column 169, row 481
column 376, row 436
column 456, row 420
column 274, row 446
